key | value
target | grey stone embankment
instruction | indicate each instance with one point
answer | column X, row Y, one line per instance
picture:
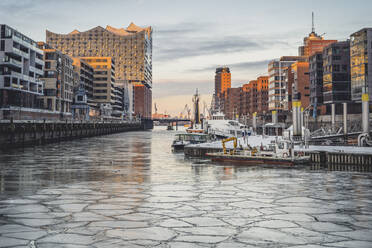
column 27, row 133
column 343, row 161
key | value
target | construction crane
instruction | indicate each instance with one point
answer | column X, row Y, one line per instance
column 185, row 112
column 227, row 140
column 188, row 111
column 206, row 110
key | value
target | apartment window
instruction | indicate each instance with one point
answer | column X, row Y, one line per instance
column 7, row 82
column 47, row 65
column 49, row 56
column 2, row 45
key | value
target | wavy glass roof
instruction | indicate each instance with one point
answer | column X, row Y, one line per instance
column 130, row 30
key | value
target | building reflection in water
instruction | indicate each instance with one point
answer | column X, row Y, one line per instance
column 113, row 158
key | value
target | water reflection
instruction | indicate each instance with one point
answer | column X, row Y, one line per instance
column 130, row 190
column 138, row 157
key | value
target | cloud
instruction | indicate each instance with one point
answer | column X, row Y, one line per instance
column 163, row 89
column 248, row 65
column 181, row 29
column 198, row 46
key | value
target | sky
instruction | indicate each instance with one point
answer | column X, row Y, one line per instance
column 191, row 38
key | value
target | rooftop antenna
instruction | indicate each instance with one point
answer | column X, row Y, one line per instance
column 312, row 23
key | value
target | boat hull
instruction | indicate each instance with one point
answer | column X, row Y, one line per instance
column 178, row 148
column 254, row 160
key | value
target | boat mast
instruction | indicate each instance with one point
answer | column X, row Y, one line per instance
column 196, row 100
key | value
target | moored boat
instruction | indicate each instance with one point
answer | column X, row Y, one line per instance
column 183, row 139
column 277, row 153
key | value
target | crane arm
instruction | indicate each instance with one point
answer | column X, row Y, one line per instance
column 227, row 140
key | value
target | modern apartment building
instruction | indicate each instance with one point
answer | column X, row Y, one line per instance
column 131, row 48
column 127, row 97
column 287, row 77
column 278, row 97
column 58, row 80
column 253, row 96
column 360, row 63
column 262, row 94
column 103, row 80
column 118, row 105
column 301, row 83
column 232, row 103
column 336, row 73
column 21, row 67
column 85, row 74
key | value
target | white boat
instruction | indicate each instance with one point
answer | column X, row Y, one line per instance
column 219, row 126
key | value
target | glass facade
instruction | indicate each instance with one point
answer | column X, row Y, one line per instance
column 336, row 73
column 359, row 63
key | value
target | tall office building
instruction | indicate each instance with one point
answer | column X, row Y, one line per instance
column 21, row 67
column 131, row 48
column 336, row 73
column 360, row 63
column 222, row 81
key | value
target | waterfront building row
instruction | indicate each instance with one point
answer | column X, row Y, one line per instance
column 324, row 75
column 39, row 81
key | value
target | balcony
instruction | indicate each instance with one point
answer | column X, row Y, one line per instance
column 22, row 42
column 39, row 61
column 14, row 53
column 12, row 63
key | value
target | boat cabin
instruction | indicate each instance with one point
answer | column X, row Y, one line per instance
column 192, row 137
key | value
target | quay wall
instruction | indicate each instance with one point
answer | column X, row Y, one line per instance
column 342, row 161
column 330, row 160
column 20, row 134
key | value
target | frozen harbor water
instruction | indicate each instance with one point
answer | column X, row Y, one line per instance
column 129, row 190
